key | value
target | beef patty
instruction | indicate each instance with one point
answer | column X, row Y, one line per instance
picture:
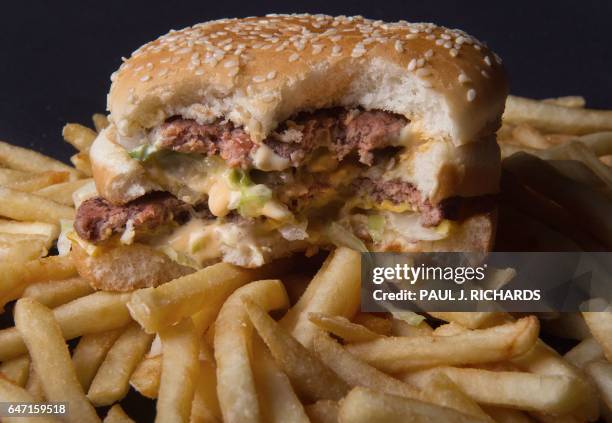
column 97, row 220
column 341, row 131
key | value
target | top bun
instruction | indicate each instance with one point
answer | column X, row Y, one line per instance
column 259, row 71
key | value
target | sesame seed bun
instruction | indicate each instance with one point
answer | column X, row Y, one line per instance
column 259, row 71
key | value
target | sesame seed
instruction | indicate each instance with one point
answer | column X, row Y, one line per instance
column 258, row 79
column 448, row 44
column 230, row 63
column 484, row 73
column 399, row 47
column 412, row 65
column 477, row 46
column 420, row 62
column 271, row 75
column 145, row 78
column 487, row 60
column 439, row 41
column 423, row 72
column 294, row 57
column 471, row 94
column 429, row 54
column 411, row 36
column 453, row 52
column 199, row 71
column 233, row 71
column 317, row 48
column 463, row 78
column 163, row 72
column 336, row 50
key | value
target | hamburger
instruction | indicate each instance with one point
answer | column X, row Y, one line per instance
column 247, row 140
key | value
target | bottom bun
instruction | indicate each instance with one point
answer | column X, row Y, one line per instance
column 129, row 267
column 126, row 268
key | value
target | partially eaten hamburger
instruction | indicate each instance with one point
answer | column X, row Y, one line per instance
column 247, row 140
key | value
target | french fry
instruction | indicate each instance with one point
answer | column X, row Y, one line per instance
column 471, row 320
column 180, row 369
column 440, row 390
column 543, row 360
column 402, row 328
column 51, row 359
column 522, row 390
column 56, row 293
column 9, row 176
column 357, row 373
column 233, row 336
column 16, row 370
column 17, row 276
column 205, row 407
column 29, row 207
column 580, row 152
column 323, row 411
column 38, row 181
column 90, row 352
column 34, row 385
column 277, row 399
column 589, row 207
column 377, row 324
column 600, row 325
column 100, row 121
column 507, row 415
column 586, row 351
column 62, row 193
column 335, row 290
column 206, row 289
column 10, row 392
column 474, row 347
column 601, row 373
column 577, row 171
column 147, row 375
column 20, row 249
column 48, row 231
column 567, row 101
column 364, row 405
column 79, row 136
column 117, row 415
column 554, row 118
column 530, row 137
column 310, row 377
column 97, row 312
column 26, row 160
column 342, row 327
column 111, row 382
column 82, row 163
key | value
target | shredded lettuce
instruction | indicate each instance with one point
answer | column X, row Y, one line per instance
column 376, row 226
column 252, row 196
column 143, row 152
column 342, row 237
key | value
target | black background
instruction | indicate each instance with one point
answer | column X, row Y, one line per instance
column 57, row 55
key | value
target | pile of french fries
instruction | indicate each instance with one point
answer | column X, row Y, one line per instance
column 279, row 345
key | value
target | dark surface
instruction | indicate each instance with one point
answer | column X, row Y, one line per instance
column 57, row 56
